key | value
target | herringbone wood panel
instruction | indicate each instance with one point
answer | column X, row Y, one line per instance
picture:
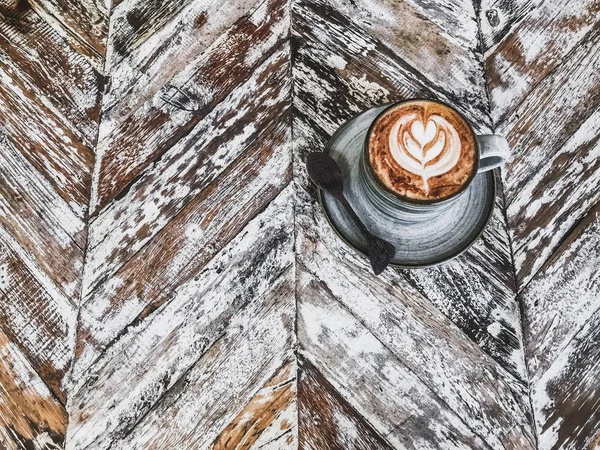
column 169, row 281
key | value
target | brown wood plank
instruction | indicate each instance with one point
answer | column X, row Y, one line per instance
column 227, row 377
column 326, row 420
column 568, row 99
column 396, row 401
column 40, row 220
column 224, row 300
column 552, row 321
column 264, row 410
column 135, row 21
column 499, row 17
column 418, row 41
column 187, row 243
column 136, row 78
column 30, row 417
column 141, row 136
column 122, row 229
column 82, row 23
column 61, row 79
column 35, row 315
column 534, row 48
column 544, row 91
column 52, row 148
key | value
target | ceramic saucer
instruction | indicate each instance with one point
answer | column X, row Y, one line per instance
column 418, row 244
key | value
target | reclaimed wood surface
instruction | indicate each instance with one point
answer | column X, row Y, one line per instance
column 168, row 279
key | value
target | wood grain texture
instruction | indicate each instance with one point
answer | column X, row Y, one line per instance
column 49, row 114
column 543, row 81
column 169, row 280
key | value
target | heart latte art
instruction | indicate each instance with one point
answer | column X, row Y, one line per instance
column 427, row 151
column 422, row 150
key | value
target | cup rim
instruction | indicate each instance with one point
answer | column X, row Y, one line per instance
column 414, row 201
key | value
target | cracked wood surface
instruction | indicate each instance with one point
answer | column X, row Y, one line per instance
column 168, row 279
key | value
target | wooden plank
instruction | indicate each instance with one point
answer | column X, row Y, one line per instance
column 568, row 99
column 35, row 315
column 64, row 82
column 419, row 42
column 376, row 383
column 556, row 197
column 477, row 292
column 51, row 147
column 141, row 136
column 339, row 71
column 535, row 48
column 186, row 244
column 135, row 21
column 410, row 329
column 566, row 399
column 498, row 17
column 187, row 168
column 260, row 413
column 563, row 296
column 326, row 420
column 227, row 377
column 41, row 221
column 30, row 417
column 159, row 351
column 149, row 67
column 82, row 23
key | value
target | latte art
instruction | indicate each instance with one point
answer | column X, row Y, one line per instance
column 427, row 151
column 422, row 150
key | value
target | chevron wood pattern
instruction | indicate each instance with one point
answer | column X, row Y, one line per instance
column 169, row 281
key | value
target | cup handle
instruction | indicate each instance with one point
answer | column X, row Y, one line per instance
column 493, row 151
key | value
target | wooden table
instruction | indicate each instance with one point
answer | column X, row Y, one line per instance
column 168, row 280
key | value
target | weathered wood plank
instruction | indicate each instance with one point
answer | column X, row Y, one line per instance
column 149, row 67
column 568, row 99
column 326, row 420
column 187, row 243
column 378, row 385
column 52, row 149
column 535, row 48
column 30, row 417
column 419, row 42
column 261, row 412
column 498, row 17
column 82, row 23
column 563, row 295
column 187, row 168
column 151, row 129
column 477, row 292
column 133, row 22
column 30, row 50
column 159, row 351
column 566, row 398
column 432, row 349
column 227, row 377
column 41, row 221
column 340, row 71
column 35, row 315
column 557, row 196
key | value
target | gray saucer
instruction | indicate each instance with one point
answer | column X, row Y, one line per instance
column 429, row 241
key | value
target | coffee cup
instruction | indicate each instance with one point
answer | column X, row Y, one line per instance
column 420, row 157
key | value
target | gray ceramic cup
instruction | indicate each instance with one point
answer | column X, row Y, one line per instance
column 492, row 151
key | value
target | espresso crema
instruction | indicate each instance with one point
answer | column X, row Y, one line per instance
column 422, row 150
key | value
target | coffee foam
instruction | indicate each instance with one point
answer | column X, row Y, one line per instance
column 422, row 150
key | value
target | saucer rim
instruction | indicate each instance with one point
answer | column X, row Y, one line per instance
column 396, row 264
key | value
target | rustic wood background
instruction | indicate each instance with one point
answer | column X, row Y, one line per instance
column 168, row 281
